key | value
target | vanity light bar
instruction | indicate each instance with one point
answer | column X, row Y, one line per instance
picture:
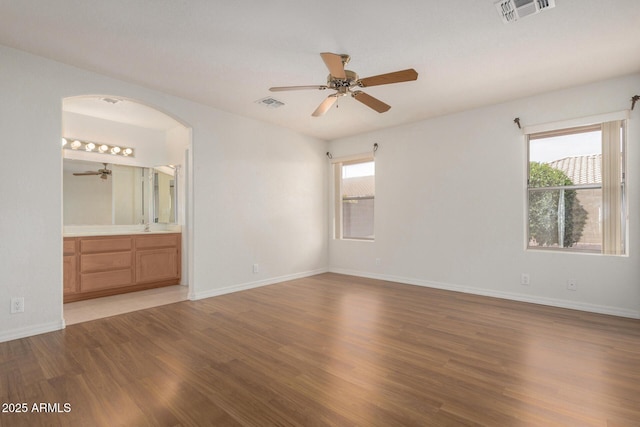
column 93, row 147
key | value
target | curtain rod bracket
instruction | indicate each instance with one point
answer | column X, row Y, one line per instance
column 329, row 156
column 634, row 99
column 517, row 121
column 375, row 147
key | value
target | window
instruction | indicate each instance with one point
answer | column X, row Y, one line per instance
column 576, row 189
column 355, row 196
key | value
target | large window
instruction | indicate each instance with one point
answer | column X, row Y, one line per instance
column 576, row 189
column 355, row 196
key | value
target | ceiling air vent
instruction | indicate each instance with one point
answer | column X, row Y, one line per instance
column 512, row 10
column 270, row 102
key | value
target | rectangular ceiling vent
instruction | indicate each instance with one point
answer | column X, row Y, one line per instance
column 512, row 10
column 270, row 102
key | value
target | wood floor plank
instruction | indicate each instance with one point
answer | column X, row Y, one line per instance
column 331, row 350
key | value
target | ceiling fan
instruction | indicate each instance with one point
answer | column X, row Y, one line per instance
column 343, row 81
column 104, row 173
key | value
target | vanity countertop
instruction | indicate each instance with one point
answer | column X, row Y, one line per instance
column 90, row 230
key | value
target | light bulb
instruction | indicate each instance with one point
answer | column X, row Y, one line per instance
column 103, row 148
column 115, row 150
column 90, row 146
column 64, row 141
column 76, row 144
column 127, row 151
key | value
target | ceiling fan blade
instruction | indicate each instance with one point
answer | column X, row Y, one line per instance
column 86, row 173
column 324, row 107
column 285, row 88
column 370, row 101
column 334, row 64
column 385, row 79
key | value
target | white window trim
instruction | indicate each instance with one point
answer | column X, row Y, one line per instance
column 553, row 127
column 353, row 158
column 577, row 122
column 337, row 191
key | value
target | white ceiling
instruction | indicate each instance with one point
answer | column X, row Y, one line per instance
column 227, row 54
column 119, row 109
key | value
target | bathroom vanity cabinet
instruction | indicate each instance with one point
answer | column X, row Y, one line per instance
column 96, row 266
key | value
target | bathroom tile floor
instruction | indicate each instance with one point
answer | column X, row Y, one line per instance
column 98, row 308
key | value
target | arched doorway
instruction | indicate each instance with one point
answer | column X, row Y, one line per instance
column 118, row 134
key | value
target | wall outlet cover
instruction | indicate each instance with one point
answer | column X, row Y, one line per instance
column 17, row 305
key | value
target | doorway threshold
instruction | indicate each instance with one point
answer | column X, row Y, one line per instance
column 98, row 308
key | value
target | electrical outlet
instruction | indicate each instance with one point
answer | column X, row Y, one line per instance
column 525, row 280
column 17, row 305
column 256, row 268
column 572, row 285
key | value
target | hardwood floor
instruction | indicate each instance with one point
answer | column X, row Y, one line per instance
column 331, row 350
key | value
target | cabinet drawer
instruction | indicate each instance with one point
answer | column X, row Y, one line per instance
column 105, row 245
column 157, row 241
column 106, row 261
column 105, row 280
column 69, row 246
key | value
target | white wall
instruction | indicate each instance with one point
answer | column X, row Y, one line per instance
column 263, row 198
column 450, row 206
column 259, row 192
column 151, row 148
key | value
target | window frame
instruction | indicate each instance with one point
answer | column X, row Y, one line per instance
column 337, row 165
column 578, row 126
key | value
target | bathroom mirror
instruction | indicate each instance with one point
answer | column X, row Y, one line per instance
column 164, row 195
column 99, row 194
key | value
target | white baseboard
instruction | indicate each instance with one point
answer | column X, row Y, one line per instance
column 250, row 285
column 592, row 308
column 28, row 331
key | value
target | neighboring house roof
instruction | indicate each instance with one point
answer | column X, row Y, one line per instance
column 361, row 186
column 581, row 169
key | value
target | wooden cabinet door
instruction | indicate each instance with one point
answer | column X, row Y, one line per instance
column 157, row 265
column 70, row 278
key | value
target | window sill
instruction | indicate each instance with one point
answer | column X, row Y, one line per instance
column 573, row 252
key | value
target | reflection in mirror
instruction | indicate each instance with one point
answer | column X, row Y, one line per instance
column 95, row 194
column 164, row 195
